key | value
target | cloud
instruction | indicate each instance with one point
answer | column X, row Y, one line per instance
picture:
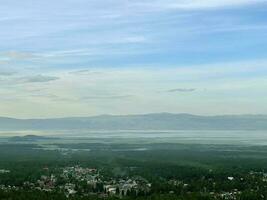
column 107, row 97
column 6, row 73
column 38, row 79
column 53, row 97
column 17, row 55
column 102, row 51
column 134, row 90
column 84, row 72
column 160, row 5
column 138, row 28
column 182, row 90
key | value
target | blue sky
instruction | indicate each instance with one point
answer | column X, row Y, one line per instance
column 89, row 57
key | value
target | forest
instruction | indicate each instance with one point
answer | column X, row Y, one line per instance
column 167, row 171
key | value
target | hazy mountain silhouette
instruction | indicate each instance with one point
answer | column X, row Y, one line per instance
column 157, row 121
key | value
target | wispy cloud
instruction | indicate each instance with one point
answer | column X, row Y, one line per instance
column 105, row 56
column 85, row 72
column 187, row 5
column 182, row 90
column 53, row 98
column 107, row 97
column 4, row 72
column 38, row 79
column 17, row 56
column 204, row 4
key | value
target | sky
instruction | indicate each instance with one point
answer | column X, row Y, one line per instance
column 92, row 57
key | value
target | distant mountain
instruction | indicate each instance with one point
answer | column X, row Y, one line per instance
column 158, row 121
column 28, row 138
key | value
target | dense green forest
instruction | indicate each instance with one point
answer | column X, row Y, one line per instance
column 173, row 171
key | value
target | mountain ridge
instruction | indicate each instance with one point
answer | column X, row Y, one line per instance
column 133, row 115
column 151, row 121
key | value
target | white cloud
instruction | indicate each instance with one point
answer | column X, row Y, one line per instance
column 7, row 72
column 136, row 90
column 159, row 5
column 182, row 90
column 38, row 79
column 201, row 4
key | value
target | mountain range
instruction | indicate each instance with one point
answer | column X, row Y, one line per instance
column 156, row 121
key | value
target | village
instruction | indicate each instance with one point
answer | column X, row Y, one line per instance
column 81, row 181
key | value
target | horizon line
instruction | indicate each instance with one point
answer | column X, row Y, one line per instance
column 141, row 114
